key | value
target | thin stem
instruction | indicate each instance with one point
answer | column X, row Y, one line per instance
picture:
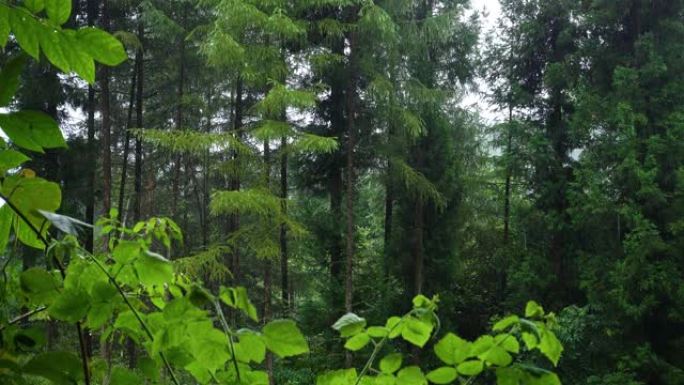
column 229, row 334
column 24, row 316
column 62, row 272
column 376, row 350
column 135, row 313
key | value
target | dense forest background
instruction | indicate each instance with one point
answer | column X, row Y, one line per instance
column 318, row 153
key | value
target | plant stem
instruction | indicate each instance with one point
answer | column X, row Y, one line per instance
column 62, row 272
column 135, row 313
column 229, row 334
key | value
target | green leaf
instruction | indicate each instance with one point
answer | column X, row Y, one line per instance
column 34, row 6
column 149, row 368
column 533, row 309
column 53, row 45
column 530, row 340
column 508, row 376
column 123, row 376
column 377, row 331
column 416, row 331
column 26, row 30
column 10, row 159
column 391, row 363
column 481, row 345
column 411, row 375
column 349, row 324
column 102, row 46
column 452, row 349
column 550, row 346
column 385, row 379
column 58, row 10
column 395, row 325
column 470, row 367
column 71, row 305
column 337, row 377
column 38, row 285
column 236, row 297
column 284, row 338
column 251, row 347
column 153, row 269
column 496, row 355
column 508, row 342
column 6, row 219
column 506, row 322
column 4, row 25
column 9, row 77
column 443, row 375
column 29, row 195
column 357, row 342
column 61, row 368
column 32, row 130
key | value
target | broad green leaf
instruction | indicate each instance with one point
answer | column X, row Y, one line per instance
column 29, row 195
column 284, row 338
column 102, row 46
column 10, row 159
column 6, row 219
column 508, row 342
column 377, row 331
column 123, row 376
column 443, row 375
column 4, row 25
column 61, row 368
column 32, row 130
column 395, row 325
column 411, row 375
column 470, row 367
column 9, row 77
column 71, row 305
column 126, row 251
column 550, row 346
column 149, row 368
column 416, row 331
column 544, row 379
column 452, row 349
column 349, row 324
column 337, row 377
column 533, row 309
column 53, row 46
column 391, row 363
column 34, row 6
column 236, row 297
column 58, row 10
column 357, row 342
column 481, row 345
column 79, row 60
column 251, row 347
column 506, row 322
column 385, row 379
column 38, row 285
column 153, row 269
column 26, row 30
column 530, row 340
column 496, row 355
column 508, row 376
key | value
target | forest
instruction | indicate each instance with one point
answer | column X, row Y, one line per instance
column 303, row 192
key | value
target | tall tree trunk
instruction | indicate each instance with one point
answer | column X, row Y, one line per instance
column 126, row 148
column 268, row 274
column 351, row 143
column 139, row 65
column 179, row 117
column 284, row 280
column 106, row 124
column 234, row 220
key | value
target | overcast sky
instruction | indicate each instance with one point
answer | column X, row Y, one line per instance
column 489, row 11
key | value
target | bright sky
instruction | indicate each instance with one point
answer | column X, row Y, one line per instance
column 489, row 11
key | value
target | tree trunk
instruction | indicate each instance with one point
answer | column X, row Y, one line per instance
column 139, row 67
column 179, row 119
column 126, row 148
column 351, row 139
column 234, row 220
column 106, row 125
column 284, row 280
